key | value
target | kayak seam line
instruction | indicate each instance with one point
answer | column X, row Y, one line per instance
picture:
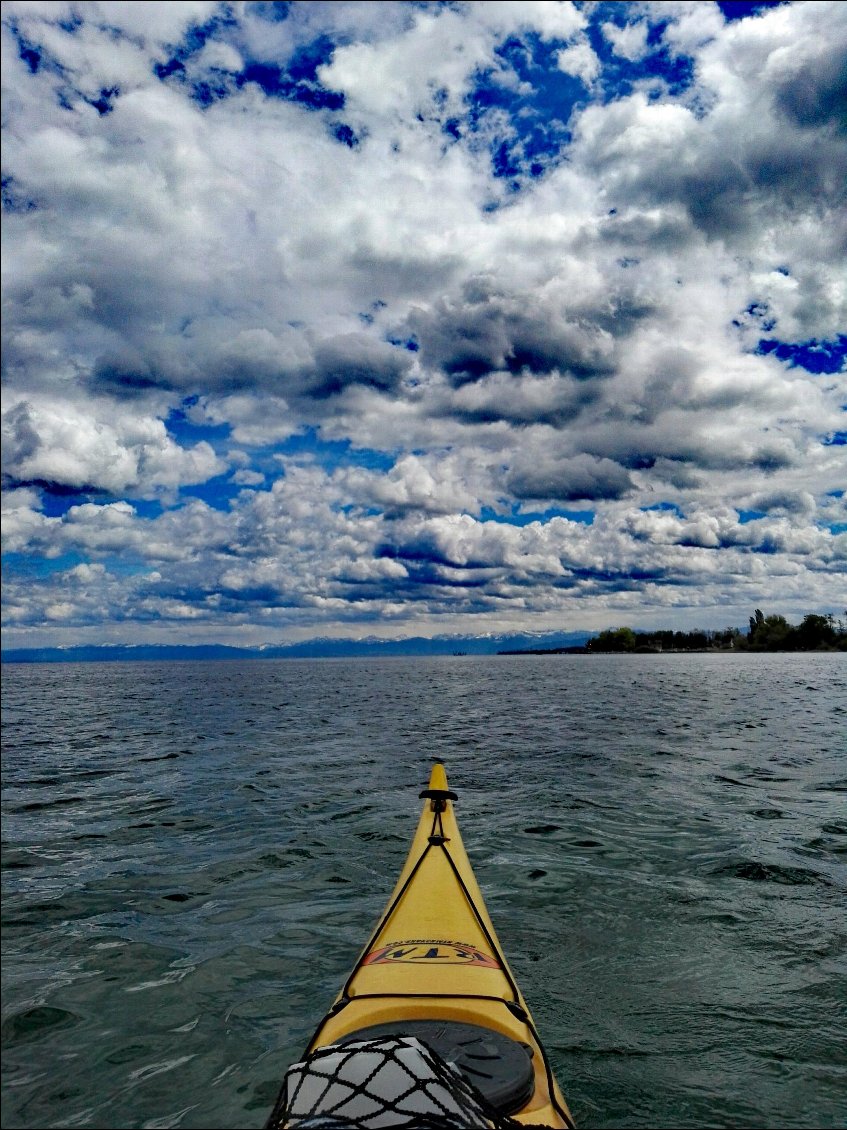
column 432, row 996
column 498, row 954
column 548, row 1071
column 344, row 997
column 383, row 922
column 527, row 1019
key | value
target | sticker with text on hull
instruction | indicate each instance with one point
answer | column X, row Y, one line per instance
column 430, row 951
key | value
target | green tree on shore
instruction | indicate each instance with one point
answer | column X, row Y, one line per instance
column 815, row 633
column 614, row 639
column 766, row 633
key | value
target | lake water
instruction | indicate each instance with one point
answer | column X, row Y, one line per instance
column 193, row 855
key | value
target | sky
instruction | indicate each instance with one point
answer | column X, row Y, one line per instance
column 414, row 319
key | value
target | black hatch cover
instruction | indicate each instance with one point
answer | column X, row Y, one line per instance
column 500, row 1068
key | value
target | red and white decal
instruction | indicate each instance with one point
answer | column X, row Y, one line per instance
column 430, row 952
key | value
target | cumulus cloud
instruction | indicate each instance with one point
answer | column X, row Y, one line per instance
column 579, row 478
column 99, row 448
column 486, row 330
column 580, row 60
column 628, row 40
column 335, row 322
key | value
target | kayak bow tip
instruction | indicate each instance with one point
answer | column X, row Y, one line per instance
column 438, row 778
column 438, row 792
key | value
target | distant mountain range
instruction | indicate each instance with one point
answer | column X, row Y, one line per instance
column 308, row 649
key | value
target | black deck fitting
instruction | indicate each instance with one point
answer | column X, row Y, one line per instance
column 438, row 794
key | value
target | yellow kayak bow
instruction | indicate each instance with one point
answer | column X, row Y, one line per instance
column 434, row 969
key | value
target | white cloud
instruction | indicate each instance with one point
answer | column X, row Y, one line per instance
column 181, row 275
column 96, row 447
column 580, row 60
column 439, row 484
column 628, row 40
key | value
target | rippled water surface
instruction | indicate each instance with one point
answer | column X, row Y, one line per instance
column 193, row 855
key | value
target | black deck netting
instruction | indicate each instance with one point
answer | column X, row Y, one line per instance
column 390, row 1082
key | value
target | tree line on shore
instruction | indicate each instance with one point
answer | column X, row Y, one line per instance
column 766, row 633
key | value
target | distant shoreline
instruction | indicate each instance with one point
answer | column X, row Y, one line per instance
column 674, row 651
column 19, row 657
column 767, row 634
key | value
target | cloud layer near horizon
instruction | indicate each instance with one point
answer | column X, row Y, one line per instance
column 355, row 318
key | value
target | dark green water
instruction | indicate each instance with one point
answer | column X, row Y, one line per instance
column 193, row 855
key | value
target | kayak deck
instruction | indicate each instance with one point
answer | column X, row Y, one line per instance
column 434, row 962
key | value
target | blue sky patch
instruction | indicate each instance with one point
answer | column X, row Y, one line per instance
column 410, row 343
column 185, row 431
column 193, row 42
column 71, row 24
column 275, row 82
column 295, row 81
column 740, row 9
column 29, row 53
column 334, row 453
column 104, row 103
column 346, row 135
column 14, row 198
column 56, row 503
column 537, row 131
column 125, row 566
column 30, row 565
column 217, row 493
column 146, row 507
column 273, row 11
column 756, row 312
column 664, row 508
column 813, row 356
column 303, row 64
column 516, row 517
column 619, row 76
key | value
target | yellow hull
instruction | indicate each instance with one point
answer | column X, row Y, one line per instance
column 435, row 956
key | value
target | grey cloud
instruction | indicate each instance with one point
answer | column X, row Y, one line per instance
column 287, row 363
column 251, row 357
column 722, row 195
column 677, row 473
column 784, row 501
column 407, row 274
column 771, row 457
column 786, row 174
column 765, row 145
column 661, row 229
column 572, row 479
column 20, row 436
column 484, row 331
column 126, row 374
column 356, row 359
column 683, row 447
column 552, row 400
column 816, row 95
column 263, row 557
